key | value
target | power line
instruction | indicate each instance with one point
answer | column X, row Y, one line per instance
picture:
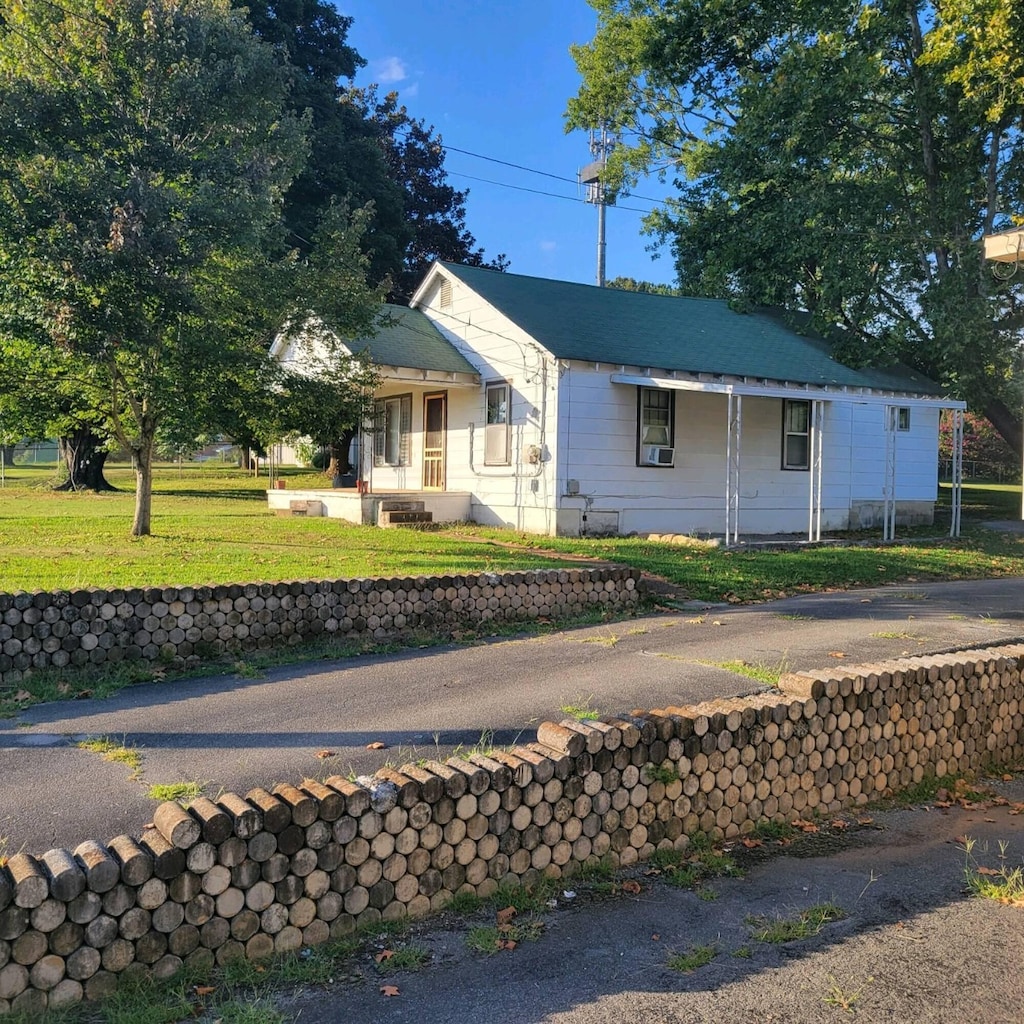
column 534, row 170
column 539, row 192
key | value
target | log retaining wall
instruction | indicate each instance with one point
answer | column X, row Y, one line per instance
column 184, row 625
column 275, row 870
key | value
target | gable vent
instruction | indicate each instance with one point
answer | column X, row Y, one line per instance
column 446, row 294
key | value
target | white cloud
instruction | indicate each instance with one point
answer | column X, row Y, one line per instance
column 548, row 246
column 388, row 70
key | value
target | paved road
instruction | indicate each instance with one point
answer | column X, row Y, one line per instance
column 234, row 733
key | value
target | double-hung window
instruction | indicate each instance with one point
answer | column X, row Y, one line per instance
column 392, row 418
column 498, row 424
column 655, row 427
column 796, row 434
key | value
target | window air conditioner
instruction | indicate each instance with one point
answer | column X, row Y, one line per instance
column 657, row 455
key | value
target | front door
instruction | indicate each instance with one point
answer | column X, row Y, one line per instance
column 435, row 422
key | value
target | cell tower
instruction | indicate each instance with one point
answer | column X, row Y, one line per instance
column 590, row 177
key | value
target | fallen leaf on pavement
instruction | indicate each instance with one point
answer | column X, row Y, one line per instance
column 988, row 871
column 837, row 654
column 384, row 955
column 750, row 844
column 322, row 754
column 631, row 886
column 505, row 916
column 389, row 990
column 376, row 745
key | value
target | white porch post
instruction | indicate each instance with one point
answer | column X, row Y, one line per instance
column 815, row 437
column 956, row 500
column 889, row 486
column 733, row 437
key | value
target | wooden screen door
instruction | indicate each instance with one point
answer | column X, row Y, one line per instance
column 435, row 422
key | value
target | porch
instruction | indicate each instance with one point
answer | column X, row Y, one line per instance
column 371, row 507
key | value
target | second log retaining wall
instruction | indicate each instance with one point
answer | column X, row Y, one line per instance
column 273, row 871
column 183, row 625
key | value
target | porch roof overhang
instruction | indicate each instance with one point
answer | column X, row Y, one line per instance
column 429, row 378
column 782, row 390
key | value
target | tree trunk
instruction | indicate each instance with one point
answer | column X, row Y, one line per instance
column 143, row 485
column 83, row 458
column 1007, row 422
column 339, row 464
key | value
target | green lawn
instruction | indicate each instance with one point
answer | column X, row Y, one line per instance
column 211, row 525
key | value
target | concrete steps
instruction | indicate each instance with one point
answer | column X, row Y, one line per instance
column 394, row 512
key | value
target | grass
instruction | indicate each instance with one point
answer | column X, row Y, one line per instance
column 773, row 831
column 581, row 708
column 211, row 525
column 842, row 999
column 692, row 867
column 111, row 750
column 759, row 671
column 693, row 959
column 807, row 923
column 1002, row 884
column 408, row 958
column 183, row 791
column 664, row 773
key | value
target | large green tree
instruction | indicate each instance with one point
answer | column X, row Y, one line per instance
column 835, row 156
column 145, row 147
column 365, row 149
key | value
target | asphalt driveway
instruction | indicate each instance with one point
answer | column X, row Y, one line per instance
column 315, row 720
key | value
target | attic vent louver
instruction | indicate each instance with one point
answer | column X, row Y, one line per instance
column 446, row 295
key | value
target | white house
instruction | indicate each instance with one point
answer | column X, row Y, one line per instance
column 561, row 408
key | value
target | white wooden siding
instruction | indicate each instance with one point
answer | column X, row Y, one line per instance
column 521, row 494
column 599, row 446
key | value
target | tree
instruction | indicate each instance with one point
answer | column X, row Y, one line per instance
column 631, row 284
column 144, row 149
column 840, row 158
column 40, row 397
column 365, row 149
column 434, row 211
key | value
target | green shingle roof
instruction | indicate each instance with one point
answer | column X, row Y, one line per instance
column 664, row 332
column 407, row 338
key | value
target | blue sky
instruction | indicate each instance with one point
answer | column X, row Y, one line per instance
column 493, row 77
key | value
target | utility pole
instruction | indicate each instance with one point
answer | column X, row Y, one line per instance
column 601, row 144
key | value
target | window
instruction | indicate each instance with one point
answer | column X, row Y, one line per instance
column 392, row 419
column 498, row 428
column 903, row 418
column 796, row 434
column 655, row 427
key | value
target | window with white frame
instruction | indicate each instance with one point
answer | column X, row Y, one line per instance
column 655, row 425
column 796, row 434
column 903, row 418
column 392, row 418
column 498, row 424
